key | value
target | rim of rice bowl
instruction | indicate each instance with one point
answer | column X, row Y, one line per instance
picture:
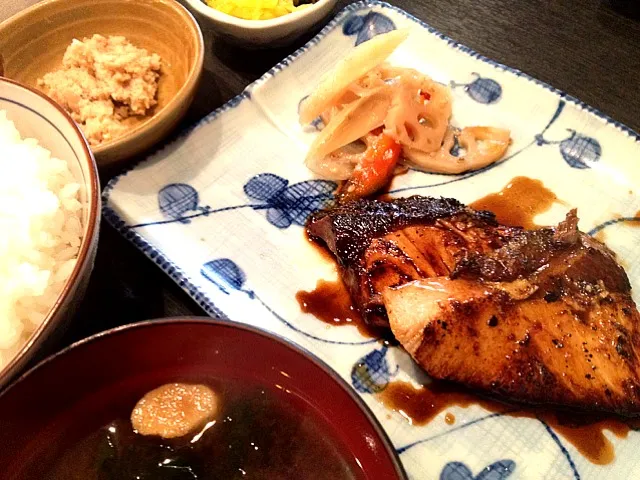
column 87, row 214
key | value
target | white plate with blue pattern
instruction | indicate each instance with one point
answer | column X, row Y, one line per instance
column 221, row 210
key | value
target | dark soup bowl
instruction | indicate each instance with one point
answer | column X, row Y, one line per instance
column 189, row 399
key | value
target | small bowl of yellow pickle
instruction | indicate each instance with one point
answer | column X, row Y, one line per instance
column 260, row 23
column 257, row 9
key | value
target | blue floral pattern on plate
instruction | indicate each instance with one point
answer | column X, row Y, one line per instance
column 225, row 274
column 285, row 204
column 228, row 276
column 482, row 89
column 371, row 374
column 221, row 210
column 176, row 200
column 365, row 27
column 289, row 204
column 500, row 470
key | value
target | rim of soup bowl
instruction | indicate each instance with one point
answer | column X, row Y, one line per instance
column 217, row 322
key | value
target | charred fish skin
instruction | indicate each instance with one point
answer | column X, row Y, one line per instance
column 380, row 244
column 535, row 316
column 349, row 228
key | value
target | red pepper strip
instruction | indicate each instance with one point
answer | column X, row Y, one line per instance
column 374, row 170
column 426, row 96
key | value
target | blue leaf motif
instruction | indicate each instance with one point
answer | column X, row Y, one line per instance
column 367, row 27
column 302, row 199
column 278, row 218
column 318, row 124
column 289, row 204
column 579, row 151
column 176, row 199
column 484, row 90
column 352, row 25
column 371, row 373
column 224, row 273
column 496, row 471
column 456, row 471
column 265, row 186
column 455, row 150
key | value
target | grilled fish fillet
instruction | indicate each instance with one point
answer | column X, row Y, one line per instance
column 386, row 244
column 542, row 316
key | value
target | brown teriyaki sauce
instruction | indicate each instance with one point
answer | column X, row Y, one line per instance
column 518, row 203
column 320, row 249
column 421, row 405
column 601, row 236
column 331, row 303
column 449, row 418
column 584, row 431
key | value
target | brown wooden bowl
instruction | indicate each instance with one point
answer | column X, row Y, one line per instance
column 33, row 42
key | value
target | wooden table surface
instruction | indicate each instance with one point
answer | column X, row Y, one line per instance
column 588, row 48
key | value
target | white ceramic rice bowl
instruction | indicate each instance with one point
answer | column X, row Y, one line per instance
column 35, row 116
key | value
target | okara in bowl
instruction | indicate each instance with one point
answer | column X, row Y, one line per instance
column 33, row 42
column 276, row 32
column 36, row 116
column 78, row 390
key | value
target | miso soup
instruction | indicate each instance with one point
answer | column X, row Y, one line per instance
column 255, row 433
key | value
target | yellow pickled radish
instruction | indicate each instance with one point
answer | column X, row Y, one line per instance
column 255, row 9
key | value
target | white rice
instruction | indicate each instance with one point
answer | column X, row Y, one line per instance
column 40, row 234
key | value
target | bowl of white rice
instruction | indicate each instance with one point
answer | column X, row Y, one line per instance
column 49, row 221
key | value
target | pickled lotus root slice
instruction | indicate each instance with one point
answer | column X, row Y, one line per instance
column 174, row 410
